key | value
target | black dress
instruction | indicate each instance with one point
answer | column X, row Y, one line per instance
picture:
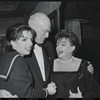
column 71, row 80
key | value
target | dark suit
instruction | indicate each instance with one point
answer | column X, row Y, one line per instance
column 35, row 70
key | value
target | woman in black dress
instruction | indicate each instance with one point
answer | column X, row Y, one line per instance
column 70, row 73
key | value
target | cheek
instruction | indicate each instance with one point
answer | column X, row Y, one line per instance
column 39, row 36
column 21, row 46
column 57, row 49
column 66, row 50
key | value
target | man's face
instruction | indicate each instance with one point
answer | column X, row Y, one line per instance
column 42, row 32
column 42, row 26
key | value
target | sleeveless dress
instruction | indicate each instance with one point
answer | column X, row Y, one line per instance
column 71, row 80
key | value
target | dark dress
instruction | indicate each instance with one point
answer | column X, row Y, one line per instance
column 71, row 80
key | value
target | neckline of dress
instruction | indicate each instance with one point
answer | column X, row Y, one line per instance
column 66, row 61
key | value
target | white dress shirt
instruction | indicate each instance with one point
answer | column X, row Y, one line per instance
column 39, row 56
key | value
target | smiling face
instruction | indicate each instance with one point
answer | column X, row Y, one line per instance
column 64, row 48
column 23, row 45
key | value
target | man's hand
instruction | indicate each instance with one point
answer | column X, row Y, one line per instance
column 90, row 68
column 51, row 88
column 75, row 95
column 6, row 94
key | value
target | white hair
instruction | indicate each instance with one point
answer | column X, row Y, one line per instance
column 38, row 19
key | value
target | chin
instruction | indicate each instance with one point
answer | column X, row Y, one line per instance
column 60, row 56
column 27, row 53
column 41, row 42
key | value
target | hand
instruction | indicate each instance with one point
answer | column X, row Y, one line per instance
column 90, row 68
column 51, row 88
column 52, row 84
column 6, row 94
column 75, row 95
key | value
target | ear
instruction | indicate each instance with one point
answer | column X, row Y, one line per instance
column 13, row 44
column 35, row 27
column 72, row 48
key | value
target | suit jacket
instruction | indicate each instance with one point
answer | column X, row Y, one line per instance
column 49, row 50
column 19, row 80
column 35, row 70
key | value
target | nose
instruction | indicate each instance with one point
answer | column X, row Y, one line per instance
column 58, row 47
column 30, row 43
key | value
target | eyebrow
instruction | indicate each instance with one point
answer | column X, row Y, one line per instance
column 23, row 36
column 63, row 41
column 60, row 41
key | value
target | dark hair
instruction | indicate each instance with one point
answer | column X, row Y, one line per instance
column 69, row 35
column 14, row 32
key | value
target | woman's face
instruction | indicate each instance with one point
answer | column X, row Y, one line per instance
column 64, row 47
column 24, row 44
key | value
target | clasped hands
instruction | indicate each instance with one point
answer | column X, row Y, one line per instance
column 51, row 87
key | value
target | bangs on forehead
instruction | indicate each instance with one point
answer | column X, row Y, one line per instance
column 62, row 40
column 20, row 34
column 20, row 29
column 59, row 40
column 25, row 32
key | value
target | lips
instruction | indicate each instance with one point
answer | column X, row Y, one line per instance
column 59, row 52
column 29, row 48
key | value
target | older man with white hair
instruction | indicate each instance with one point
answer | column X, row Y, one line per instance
column 38, row 61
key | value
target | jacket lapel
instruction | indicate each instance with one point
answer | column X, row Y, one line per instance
column 46, row 65
column 34, row 67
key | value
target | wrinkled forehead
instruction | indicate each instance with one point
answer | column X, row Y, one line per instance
column 46, row 25
column 39, row 19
